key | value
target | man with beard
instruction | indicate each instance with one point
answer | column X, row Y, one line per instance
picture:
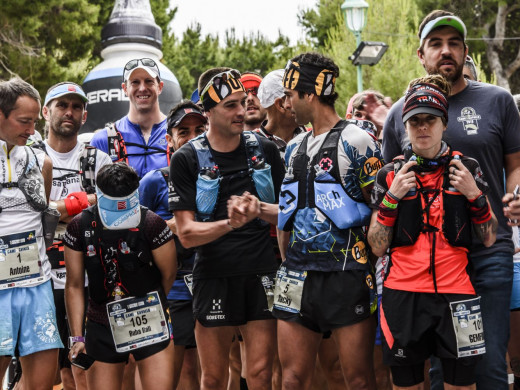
column 75, row 167
column 139, row 137
column 255, row 113
column 479, row 114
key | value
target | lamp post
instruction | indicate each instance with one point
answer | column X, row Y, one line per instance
column 356, row 19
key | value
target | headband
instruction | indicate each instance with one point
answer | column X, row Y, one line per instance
column 220, row 87
column 309, row 78
column 425, row 99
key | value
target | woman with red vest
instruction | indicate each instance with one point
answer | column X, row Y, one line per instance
column 428, row 206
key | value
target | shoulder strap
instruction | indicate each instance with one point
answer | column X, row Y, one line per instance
column 87, row 168
column 135, row 237
column 253, row 146
column 205, row 159
column 116, row 144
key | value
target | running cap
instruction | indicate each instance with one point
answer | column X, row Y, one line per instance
column 271, row 88
column 425, row 99
column 66, row 88
column 449, row 20
column 309, row 78
column 176, row 118
column 119, row 213
column 147, row 64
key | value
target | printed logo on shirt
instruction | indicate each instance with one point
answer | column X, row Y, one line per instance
column 469, row 119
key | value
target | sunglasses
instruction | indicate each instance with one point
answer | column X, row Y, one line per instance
column 147, row 62
column 253, row 90
column 221, row 79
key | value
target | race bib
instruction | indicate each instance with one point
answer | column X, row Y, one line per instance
column 137, row 322
column 19, row 260
column 288, row 290
column 467, row 323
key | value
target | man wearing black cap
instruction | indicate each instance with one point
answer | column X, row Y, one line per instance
column 185, row 122
column 138, row 138
column 75, row 167
column 235, row 263
column 479, row 114
column 325, row 283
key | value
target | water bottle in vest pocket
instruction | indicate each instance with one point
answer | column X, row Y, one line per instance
column 332, row 200
column 264, row 184
column 207, row 194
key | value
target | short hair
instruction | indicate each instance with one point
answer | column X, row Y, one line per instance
column 439, row 81
column 184, row 103
column 431, row 16
column 208, row 75
column 11, row 90
column 319, row 60
column 117, row 179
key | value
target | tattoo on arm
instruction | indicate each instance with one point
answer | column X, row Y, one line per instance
column 486, row 230
column 381, row 237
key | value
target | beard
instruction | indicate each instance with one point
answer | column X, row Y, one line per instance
column 451, row 76
column 65, row 131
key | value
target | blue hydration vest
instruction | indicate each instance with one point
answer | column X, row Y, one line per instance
column 316, row 183
column 208, row 180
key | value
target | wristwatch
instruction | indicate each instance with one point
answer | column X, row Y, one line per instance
column 75, row 339
column 479, row 202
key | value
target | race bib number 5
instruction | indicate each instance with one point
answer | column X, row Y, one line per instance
column 288, row 290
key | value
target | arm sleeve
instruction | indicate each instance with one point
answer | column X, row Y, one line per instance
column 157, row 233
column 73, row 237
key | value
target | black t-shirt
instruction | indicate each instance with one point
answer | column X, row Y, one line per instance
column 243, row 251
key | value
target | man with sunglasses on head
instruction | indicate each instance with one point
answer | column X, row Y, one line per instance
column 255, row 113
column 139, row 137
column 325, row 284
column 235, row 263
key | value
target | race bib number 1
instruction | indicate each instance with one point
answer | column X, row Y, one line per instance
column 467, row 323
column 137, row 322
column 19, row 260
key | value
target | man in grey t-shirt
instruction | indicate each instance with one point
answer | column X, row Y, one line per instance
column 484, row 124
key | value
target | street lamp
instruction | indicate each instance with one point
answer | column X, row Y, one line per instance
column 356, row 19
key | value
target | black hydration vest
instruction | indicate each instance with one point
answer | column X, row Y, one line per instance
column 456, row 222
column 130, row 265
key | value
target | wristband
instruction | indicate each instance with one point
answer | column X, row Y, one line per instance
column 389, row 202
column 75, row 339
column 76, row 202
column 392, row 196
column 386, row 217
column 480, row 215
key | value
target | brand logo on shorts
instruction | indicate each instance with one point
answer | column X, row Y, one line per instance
column 45, row 328
column 359, row 310
column 216, row 304
column 400, row 354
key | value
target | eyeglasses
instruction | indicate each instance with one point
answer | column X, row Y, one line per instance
column 253, row 90
column 147, row 62
column 221, row 79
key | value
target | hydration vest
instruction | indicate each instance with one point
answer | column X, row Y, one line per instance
column 456, row 222
column 317, row 184
column 117, row 146
column 87, row 167
column 129, row 266
column 30, row 182
column 208, row 180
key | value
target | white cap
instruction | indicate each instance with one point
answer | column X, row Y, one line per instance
column 271, row 88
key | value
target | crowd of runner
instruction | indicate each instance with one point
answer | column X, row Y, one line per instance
column 255, row 238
